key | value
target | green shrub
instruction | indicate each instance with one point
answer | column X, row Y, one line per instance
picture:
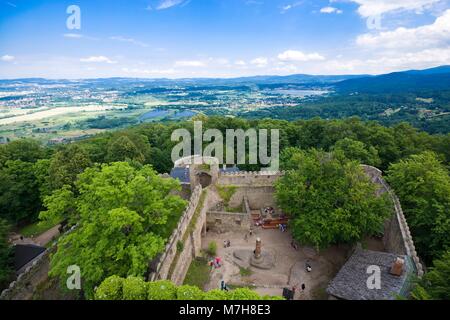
column 134, row 288
column 244, row 294
column 189, row 293
column 212, row 248
column 162, row 290
column 180, row 246
column 245, row 272
column 217, row 294
column 226, row 192
column 267, row 297
column 110, row 289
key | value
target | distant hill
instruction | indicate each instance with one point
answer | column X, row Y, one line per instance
column 408, row 81
column 269, row 79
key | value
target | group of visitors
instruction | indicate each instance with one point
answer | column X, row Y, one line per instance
column 269, row 211
column 216, row 263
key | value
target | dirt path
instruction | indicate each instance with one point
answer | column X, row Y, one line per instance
column 42, row 240
column 46, row 237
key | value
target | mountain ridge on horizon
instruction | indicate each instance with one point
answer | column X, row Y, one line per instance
column 296, row 76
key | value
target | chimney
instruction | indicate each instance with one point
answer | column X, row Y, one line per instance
column 397, row 267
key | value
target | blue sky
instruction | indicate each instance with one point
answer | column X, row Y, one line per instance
column 221, row 38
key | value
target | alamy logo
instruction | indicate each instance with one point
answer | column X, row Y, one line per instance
column 374, row 22
column 74, row 20
column 374, row 280
column 235, row 147
column 74, row 280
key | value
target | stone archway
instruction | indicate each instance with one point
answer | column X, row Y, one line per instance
column 205, row 179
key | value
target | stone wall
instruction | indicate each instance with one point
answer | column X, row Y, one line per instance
column 25, row 282
column 397, row 237
column 257, row 197
column 227, row 221
column 25, row 279
column 173, row 263
column 193, row 244
column 162, row 267
column 251, row 178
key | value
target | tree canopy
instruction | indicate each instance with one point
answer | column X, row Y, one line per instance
column 329, row 199
column 435, row 284
column 123, row 216
column 422, row 183
column 135, row 288
column 5, row 254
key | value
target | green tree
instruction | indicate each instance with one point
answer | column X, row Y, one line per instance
column 41, row 172
column 216, row 294
column 60, row 205
column 5, row 254
column 330, row 200
column 66, row 165
column 123, row 149
column 357, row 150
column 244, row 294
column 435, row 285
column 110, row 289
column 162, row 290
column 26, row 150
column 422, row 183
column 122, row 215
column 19, row 192
column 187, row 292
column 134, row 288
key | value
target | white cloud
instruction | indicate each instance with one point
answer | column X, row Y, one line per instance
column 7, row 58
column 298, row 56
column 78, row 36
column 190, row 63
column 428, row 36
column 330, row 10
column 288, row 7
column 166, row 4
column 260, row 62
column 149, row 72
column 240, row 63
column 369, row 8
column 98, row 59
column 130, row 40
column 73, row 35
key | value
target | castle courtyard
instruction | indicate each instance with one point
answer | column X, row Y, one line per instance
column 289, row 268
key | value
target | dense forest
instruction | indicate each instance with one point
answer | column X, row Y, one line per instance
column 57, row 183
column 426, row 110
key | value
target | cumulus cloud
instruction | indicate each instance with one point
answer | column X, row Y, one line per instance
column 331, row 10
column 98, row 59
column 260, row 62
column 7, row 58
column 369, row 8
column 298, row 56
column 190, row 63
column 436, row 34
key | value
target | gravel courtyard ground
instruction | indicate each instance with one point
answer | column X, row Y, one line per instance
column 289, row 269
